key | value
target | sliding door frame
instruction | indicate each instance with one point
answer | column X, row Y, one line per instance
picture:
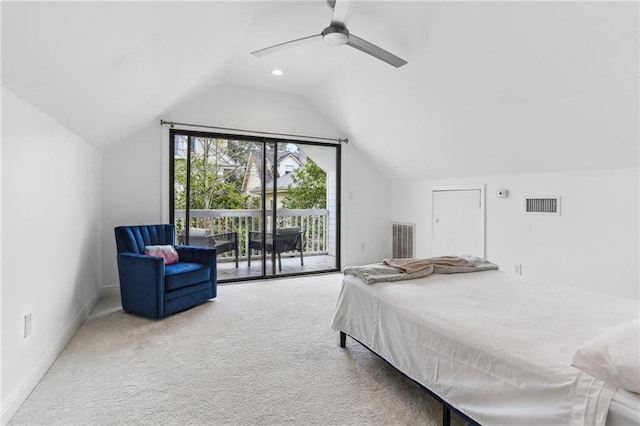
column 264, row 141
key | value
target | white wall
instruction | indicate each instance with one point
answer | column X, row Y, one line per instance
column 593, row 244
column 131, row 192
column 135, row 173
column 366, row 210
column 50, row 250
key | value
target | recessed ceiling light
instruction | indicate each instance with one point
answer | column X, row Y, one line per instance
column 277, row 72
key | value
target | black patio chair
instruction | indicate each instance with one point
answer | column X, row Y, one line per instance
column 223, row 243
column 286, row 239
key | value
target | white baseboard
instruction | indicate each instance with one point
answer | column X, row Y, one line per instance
column 19, row 394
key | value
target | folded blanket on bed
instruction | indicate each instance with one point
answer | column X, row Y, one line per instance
column 479, row 264
column 381, row 272
column 416, row 265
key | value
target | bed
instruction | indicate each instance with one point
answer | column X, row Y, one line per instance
column 495, row 347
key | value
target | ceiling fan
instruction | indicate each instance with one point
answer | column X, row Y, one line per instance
column 337, row 34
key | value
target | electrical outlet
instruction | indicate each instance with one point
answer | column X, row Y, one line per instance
column 27, row 325
column 517, row 269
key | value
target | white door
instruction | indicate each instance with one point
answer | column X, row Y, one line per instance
column 458, row 222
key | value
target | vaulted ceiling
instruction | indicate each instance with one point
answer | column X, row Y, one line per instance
column 490, row 88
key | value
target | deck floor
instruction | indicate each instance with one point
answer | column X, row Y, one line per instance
column 228, row 272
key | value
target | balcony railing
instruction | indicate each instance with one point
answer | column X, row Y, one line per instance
column 312, row 222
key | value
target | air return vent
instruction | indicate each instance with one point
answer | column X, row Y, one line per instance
column 403, row 238
column 548, row 205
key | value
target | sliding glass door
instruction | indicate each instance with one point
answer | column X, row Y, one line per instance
column 269, row 207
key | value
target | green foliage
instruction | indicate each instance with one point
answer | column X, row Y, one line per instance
column 212, row 187
column 216, row 187
column 309, row 188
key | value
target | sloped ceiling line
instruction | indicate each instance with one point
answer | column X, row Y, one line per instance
column 491, row 88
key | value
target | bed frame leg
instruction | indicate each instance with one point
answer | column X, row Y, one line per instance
column 343, row 339
column 446, row 416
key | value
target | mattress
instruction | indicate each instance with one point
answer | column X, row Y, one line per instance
column 498, row 347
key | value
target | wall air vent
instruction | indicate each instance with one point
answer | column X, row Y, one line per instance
column 403, row 239
column 549, row 205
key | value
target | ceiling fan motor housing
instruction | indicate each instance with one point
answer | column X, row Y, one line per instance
column 335, row 35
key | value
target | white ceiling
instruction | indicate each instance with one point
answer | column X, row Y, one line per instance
column 490, row 88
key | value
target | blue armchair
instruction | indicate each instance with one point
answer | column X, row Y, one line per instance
column 152, row 289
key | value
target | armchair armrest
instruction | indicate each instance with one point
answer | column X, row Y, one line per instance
column 141, row 282
column 202, row 255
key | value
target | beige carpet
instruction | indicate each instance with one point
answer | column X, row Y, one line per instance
column 262, row 353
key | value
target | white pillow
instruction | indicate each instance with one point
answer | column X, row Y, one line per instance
column 613, row 356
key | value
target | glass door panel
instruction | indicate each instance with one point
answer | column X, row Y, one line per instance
column 269, row 207
column 260, row 238
column 306, row 196
column 179, row 182
column 222, row 202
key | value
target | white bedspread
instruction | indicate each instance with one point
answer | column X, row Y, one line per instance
column 624, row 409
column 496, row 346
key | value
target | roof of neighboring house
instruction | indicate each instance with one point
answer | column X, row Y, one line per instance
column 226, row 162
column 255, row 157
column 300, row 156
column 283, row 183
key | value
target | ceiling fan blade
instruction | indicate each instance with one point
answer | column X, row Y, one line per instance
column 285, row 45
column 341, row 10
column 375, row 51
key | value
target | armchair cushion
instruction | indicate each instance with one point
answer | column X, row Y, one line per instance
column 166, row 252
column 185, row 274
